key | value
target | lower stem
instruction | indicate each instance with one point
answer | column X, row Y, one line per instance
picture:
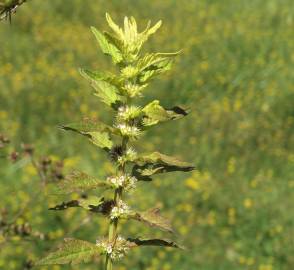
column 112, row 232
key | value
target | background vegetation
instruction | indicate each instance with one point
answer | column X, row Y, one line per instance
column 235, row 73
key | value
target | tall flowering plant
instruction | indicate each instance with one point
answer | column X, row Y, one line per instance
column 120, row 92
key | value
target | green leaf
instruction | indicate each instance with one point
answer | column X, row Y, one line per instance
column 153, row 218
column 154, row 64
column 73, row 251
column 86, row 126
column 91, row 203
column 107, row 47
column 155, row 113
column 96, row 131
column 150, row 31
column 101, row 139
column 155, row 163
column 94, row 76
column 79, row 182
column 107, row 92
column 115, row 28
column 135, row 242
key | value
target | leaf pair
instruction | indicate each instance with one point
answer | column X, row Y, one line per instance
column 93, row 204
column 74, row 251
column 151, row 217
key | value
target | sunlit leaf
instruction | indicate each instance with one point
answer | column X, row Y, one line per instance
column 107, row 92
column 148, row 165
column 96, row 131
column 101, row 139
column 153, row 218
column 107, row 47
column 154, row 113
column 79, row 182
column 73, row 251
column 86, row 126
column 116, row 29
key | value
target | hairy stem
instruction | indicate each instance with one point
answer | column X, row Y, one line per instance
column 112, row 232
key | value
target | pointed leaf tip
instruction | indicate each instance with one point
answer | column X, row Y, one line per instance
column 154, row 242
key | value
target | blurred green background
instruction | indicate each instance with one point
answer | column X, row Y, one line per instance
column 235, row 212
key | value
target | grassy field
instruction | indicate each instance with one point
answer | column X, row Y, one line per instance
column 235, row 212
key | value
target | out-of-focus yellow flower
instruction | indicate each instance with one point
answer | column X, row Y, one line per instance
column 250, row 261
column 30, row 170
column 232, row 216
column 211, row 218
column 248, row 203
column 3, row 115
column 242, row 260
column 265, row 267
column 192, row 183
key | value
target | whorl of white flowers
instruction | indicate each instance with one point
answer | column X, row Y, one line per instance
column 126, row 113
column 125, row 181
column 133, row 90
column 119, row 210
column 129, row 156
column 116, row 251
column 130, row 131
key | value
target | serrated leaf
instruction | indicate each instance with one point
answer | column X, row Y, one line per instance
column 107, row 92
column 94, row 76
column 154, row 64
column 153, row 218
column 154, row 113
column 101, row 139
column 79, row 182
column 150, row 31
column 96, row 131
column 177, row 112
column 152, row 60
column 155, row 163
column 91, row 203
column 116, row 29
column 87, row 125
column 107, row 47
column 136, row 242
column 73, row 251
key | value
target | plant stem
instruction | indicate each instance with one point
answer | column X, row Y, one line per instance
column 112, row 232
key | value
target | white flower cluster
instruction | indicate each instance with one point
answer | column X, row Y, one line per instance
column 128, row 130
column 133, row 89
column 119, row 210
column 129, row 155
column 125, row 181
column 116, row 251
column 126, row 113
